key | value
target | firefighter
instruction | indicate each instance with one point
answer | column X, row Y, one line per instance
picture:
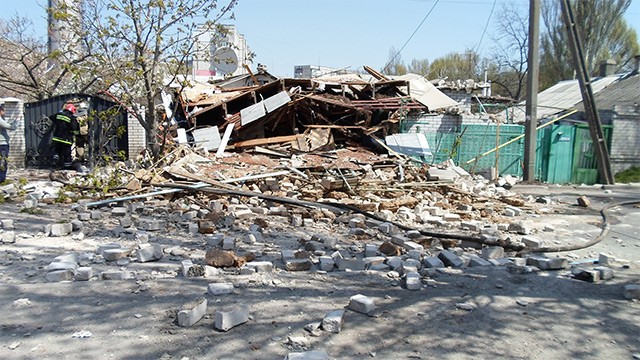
column 65, row 127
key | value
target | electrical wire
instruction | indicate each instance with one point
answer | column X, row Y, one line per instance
column 410, row 37
column 486, row 25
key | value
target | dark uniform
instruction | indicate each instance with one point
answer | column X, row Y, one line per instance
column 65, row 127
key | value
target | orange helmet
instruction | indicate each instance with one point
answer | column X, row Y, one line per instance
column 71, row 108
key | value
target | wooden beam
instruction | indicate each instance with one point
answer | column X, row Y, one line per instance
column 266, row 141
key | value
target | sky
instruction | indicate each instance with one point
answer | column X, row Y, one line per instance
column 349, row 33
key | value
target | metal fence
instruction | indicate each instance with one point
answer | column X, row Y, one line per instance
column 104, row 139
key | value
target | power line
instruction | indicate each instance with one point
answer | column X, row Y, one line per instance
column 486, row 25
column 410, row 37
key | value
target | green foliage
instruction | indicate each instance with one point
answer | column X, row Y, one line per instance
column 603, row 32
column 456, row 66
column 631, row 175
column 33, row 211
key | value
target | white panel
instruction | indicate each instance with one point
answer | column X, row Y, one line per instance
column 276, row 101
column 252, row 113
column 409, row 144
column 208, row 137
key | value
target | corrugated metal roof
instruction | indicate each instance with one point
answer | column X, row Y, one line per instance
column 562, row 96
column 626, row 91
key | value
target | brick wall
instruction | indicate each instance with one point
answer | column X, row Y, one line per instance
column 625, row 140
column 137, row 137
column 17, row 148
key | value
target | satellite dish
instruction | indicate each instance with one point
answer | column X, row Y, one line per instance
column 225, row 60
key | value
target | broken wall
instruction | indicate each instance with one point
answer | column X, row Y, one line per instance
column 15, row 112
column 625, row 142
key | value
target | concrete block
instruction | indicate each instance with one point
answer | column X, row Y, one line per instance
column 313, row 246
column 228, row 243
column 399, row 239
column 115, row 275
column 297, row 221
column 327, row 263
column 432, row 262
column 415, row 254
column 84, row 273
column 374, row 260
column 531, row 242
column 298, row 264
column 500, row 262
column 7, row 224
column 412, row 281
column 59, row 275
column 63, row 229
column 583, row 201
column 362, row 304
column 231, row 317
column 606, row 273
column 62, row 265
column 544, row 263
column 470, row 225
column 521, row 227
column 351, row 264
column 308, row 355
column 192, row 312
column 189, row 269
column 119, row 211
column 451, row 217
column 333, row 321
column 492, row 252
column 356, row 223
column 370, row 250
column 211, row 272
column 395, row 262
column 96, row 214
column 287, row 254
column 260, row 266
column 84, row 216
column 413, row 246
column 388, row 229
column 606, row 259
column 242, row 214
column 141, row 237
column 631, row 291
column 475, row 261
column 249, row 238
column 148, row 252
column 588, row 275
column 379, row 267
column 8, row 237
column 220, row 288
column 449, row 258
column 152, row 224
column 115, row 254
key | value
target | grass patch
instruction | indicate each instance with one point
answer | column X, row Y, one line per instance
column 631, row 175
column 32, row 211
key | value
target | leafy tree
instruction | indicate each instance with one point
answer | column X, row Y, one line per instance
column 602, row 30
column 137, row 47
column 456, row 66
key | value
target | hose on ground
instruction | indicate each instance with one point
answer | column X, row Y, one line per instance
column 572, row 247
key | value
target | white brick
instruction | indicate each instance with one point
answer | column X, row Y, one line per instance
column 225, row 320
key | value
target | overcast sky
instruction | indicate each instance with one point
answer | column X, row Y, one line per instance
column 349, row 33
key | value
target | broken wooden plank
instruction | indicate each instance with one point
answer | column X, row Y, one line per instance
column 225, row 140
column 266, row 141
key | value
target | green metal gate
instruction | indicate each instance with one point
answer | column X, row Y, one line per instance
column 554, row 155
column 585, row 166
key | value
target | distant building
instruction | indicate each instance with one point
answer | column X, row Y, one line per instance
column 220, row 55
column 62, row 35
column 314, row 71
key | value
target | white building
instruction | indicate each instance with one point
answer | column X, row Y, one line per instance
column 313, row 71
column 220, row 55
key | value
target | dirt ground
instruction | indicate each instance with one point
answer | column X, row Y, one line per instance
column 537, row 315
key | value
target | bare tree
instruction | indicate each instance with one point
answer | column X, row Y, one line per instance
column 509, row 66
column 140, row 46
column 419, row 66
column 26, row 67
column 395, row 65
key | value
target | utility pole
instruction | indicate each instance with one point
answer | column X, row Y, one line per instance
column 531, row 112
column 595, row 127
